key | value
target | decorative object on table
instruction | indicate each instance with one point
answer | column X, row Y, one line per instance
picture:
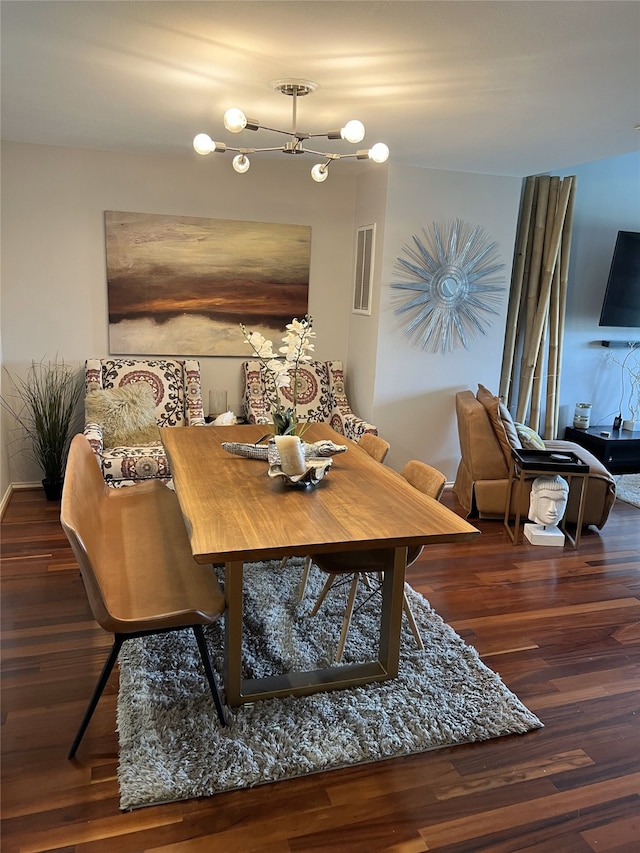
column 444, row 695
column 177, row 397
column 322, row 396
column 547, row 505
column 582, row 416
column 206, row 265
column 236, row 121
column 282, row 371
column 44, row 405
column 225, row 419
column 217, row 403
column 261, row 451
column 314, row 471
column 448, row 287
column 291, row 454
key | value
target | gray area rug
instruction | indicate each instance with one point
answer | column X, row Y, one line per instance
column 172, row 747
column 628, row 488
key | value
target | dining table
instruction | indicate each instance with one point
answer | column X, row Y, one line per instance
column 235, row 513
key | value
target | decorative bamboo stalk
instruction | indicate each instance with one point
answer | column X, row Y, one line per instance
column 508, row 353
column 551, row 256
column 567, row 232
column 533, row 286
column 551, row 401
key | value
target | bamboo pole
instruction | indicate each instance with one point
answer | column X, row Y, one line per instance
column 551, row 256
column 535, row 406
column 514, row 310
column 536, row 388
column 551, row 400
column 533, row 282
column 567, row 233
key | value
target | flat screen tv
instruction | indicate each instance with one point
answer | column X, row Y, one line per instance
column 621, row 305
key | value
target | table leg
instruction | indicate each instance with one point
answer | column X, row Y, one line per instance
column 233, row 581
column 391, row 616
column 239, row 691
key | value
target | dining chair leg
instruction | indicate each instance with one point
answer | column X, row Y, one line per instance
column 412, row 622
column 346, row 622
column 325, row 589
column 118, row 640
column 305, row 577
column 208, row 668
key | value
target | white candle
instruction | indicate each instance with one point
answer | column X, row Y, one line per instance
column 291, row 454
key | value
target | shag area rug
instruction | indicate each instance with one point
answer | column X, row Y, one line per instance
column 172, row 747
column 628, row 489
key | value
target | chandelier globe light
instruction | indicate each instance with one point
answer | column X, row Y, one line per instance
column 235, row 121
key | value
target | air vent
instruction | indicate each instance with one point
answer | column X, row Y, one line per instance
column 364, row 269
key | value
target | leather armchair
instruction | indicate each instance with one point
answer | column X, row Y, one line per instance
column 483, row 473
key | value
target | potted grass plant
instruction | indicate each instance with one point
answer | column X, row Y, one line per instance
column 44, row 404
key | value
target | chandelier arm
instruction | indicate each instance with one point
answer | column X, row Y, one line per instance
column 278, row 130
column 326, row 154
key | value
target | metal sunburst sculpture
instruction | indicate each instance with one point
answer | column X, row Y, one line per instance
column 453, row 275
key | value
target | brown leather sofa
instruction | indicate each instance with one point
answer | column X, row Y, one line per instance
column 487, row 434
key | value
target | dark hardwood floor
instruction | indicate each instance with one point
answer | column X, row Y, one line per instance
column 561, row 627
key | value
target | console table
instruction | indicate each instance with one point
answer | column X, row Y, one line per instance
column 619, row 451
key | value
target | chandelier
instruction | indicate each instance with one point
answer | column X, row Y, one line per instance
column 235, row 121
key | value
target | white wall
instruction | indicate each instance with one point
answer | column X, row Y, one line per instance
column 607, row 201
column 54, row 295
column 53, row 285
column 414, row 404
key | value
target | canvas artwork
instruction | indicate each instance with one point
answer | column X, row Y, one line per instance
column 181, row 285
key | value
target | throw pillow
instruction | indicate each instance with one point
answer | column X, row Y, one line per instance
column 529, row 438
column 127, row 414
column 501, row 421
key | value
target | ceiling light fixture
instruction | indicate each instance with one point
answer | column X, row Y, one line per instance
column 235, row 121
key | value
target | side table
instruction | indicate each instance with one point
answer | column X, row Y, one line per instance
column 529, row 464
column 617, row 449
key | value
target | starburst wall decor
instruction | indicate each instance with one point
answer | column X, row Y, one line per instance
column 451, row 273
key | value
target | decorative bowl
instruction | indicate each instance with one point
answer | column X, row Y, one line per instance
column 315, row 471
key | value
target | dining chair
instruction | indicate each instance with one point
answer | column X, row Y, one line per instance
column 368, row 565
column 136, row 563
column 377, row 448
column 374, row 445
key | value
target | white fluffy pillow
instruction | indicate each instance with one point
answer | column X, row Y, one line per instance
column 127, row 415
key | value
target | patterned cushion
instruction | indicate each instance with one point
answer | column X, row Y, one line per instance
column 127, row 415
column 501, row 421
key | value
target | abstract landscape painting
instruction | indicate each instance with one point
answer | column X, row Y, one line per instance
column 181, row 285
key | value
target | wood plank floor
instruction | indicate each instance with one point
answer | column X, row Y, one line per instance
column 561, row 627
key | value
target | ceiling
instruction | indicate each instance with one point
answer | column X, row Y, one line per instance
column 505, row 88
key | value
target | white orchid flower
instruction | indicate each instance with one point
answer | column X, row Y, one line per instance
column 298, row 346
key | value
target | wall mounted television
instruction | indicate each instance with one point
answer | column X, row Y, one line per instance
column 621, row 305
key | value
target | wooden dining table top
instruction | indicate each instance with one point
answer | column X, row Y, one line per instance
column 233, row 510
